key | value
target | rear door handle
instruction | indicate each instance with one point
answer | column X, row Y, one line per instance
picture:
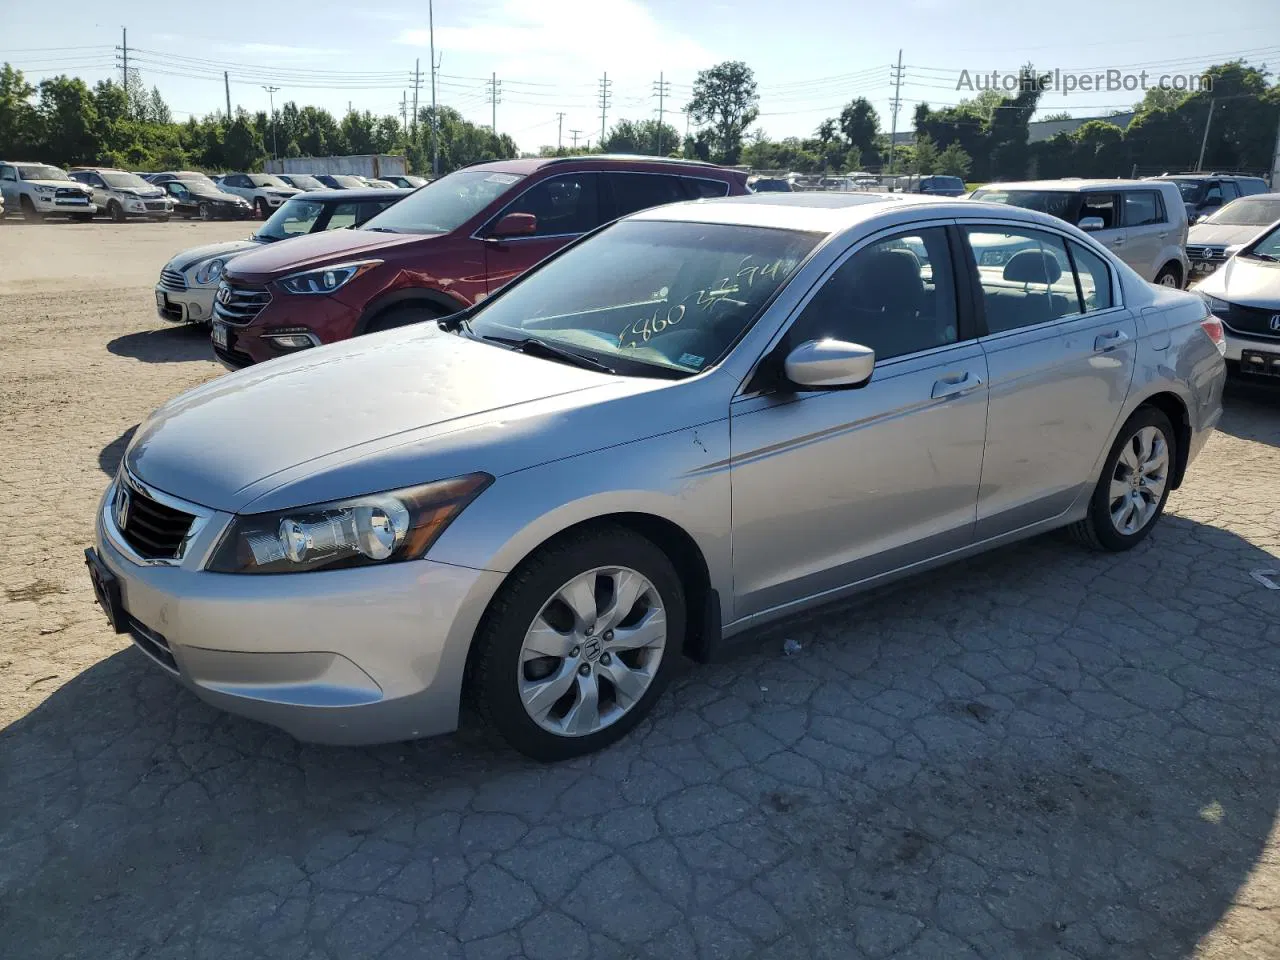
column 956, row 386
column 1109, row 341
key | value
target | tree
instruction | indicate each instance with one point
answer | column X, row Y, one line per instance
column 69, row 121
column 725, row 97
column 926, row 155
column 1160, row 98
column 158, row 111
column 244, row 149
column 1062, row 115
column 860, row 123
column 18, row 120
column 641, row 137
column 954, row 162
column 827, row 130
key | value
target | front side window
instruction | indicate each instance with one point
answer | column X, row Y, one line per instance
column 445, row 204
column 1142, row 208
column 896, row 296
column 563, row 205
column 1035, row 283
column 294, row 218
column 639, row 191
column 649, row 297
column 1102, row 206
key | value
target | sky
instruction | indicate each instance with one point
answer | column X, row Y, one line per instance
column 549, row 56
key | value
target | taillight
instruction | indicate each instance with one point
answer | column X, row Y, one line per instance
column 1213, row 327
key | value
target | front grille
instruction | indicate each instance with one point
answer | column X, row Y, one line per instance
column 238, row 304
column 155, row 531
column 65, row 193
column 1206, row 252
column 1253, row 321
column 153, row 644
column 155, row 205
column 173, row 280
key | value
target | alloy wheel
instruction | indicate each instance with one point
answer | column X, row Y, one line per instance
column 592, row 651
column 1169, row 280
column 1139, row 480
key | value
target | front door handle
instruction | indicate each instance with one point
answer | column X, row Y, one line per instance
column 1117, row 242
column 956, row 386
column 1109, row 341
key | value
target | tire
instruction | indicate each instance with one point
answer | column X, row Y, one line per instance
column 28, row 208
column 116, row 212
column 206, row 212
column 1099, row 529
column 1169, row 276
column 260, row 209
column 402, row 316
column 504, row 672
column 163, row 219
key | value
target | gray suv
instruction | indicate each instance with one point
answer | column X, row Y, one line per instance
column 1205, row 193
column 1143, row 222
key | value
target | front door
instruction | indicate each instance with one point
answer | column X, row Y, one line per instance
column 834, row 487
column 1060, row 350
column 565, row 207
column 1106, row 207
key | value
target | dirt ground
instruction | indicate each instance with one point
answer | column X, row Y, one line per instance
column 1042, row 753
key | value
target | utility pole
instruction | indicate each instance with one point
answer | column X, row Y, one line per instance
column 662, row 88
column 605, row 84
column 575, row 134
column 435, row 121
column 495, row 87
column 1205, row 141
column 1275, row 163
column 404, row 110
column 275, row 147
column 559, row 131
column 417, row 82
column 895, row 103
column 124, row 68
column 226, row 83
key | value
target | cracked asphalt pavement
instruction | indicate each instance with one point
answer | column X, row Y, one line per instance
column 1041, row 753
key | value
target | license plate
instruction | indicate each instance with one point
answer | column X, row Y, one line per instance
column 161, row 300
column 220, row 335
column 106, row 589
column 1260, row 363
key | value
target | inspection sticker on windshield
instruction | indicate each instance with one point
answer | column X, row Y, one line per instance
column 689, row 360
column 501, row 178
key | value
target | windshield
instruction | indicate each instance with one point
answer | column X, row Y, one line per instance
column 445, row 204
column 1266, row 247
column 662, row 298
column 1056, row 203
column 344, row 182
column 129, row 180
column 1192, row 190
column 295, row 217
column 196, row 180
column 306, row 183
column 41, row 172
column 412, row 181
column 1248, row 212
column 266, row 180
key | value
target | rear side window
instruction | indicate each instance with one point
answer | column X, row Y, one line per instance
column 1142, row 208
column 1029, row 283
column 639, row 191
column 1101, row 205
column 699, row 188
column 1094, row 278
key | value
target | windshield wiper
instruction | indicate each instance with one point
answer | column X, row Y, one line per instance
column 540, row 348
column 1269, row 257
column 380, row 230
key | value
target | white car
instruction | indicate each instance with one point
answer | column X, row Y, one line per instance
column 38, row 189
column 264, row 191
column 123, row 195
column 1244, row 293
column 1221, row 235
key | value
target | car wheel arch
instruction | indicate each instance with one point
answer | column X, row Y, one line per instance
column 432, row 299
column 1172, row 406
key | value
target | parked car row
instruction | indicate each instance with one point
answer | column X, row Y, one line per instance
column 635, row 366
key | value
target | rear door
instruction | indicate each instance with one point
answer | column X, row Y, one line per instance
column 1147, row 230
column 566, row 206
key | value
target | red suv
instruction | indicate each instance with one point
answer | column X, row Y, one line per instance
column 439, row 250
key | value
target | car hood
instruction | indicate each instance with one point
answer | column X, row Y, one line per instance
column 1221, row 234
column 61, row 184
column 315, row 249
column 189, row 258
column 376, row 413
column 1250, row 283
column 207, row 194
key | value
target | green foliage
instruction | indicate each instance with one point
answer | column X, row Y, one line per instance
column 953, row 162
column 725, row 98
column 926, row 155
column 641, row 137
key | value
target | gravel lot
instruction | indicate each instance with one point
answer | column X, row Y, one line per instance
column 1041, row 753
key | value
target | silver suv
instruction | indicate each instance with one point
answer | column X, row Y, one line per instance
column 122, row 195
column 1144, row 222
column 39, row 189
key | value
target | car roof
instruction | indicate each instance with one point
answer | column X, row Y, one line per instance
column 372, row 193
column 1207, row 176
column 832, row 213
column 1072, row 186
column 602, row 161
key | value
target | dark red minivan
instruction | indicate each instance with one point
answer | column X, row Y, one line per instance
column 439, row 250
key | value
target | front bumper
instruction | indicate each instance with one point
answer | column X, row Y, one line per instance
column 366, row 655
column 44, row 203
column 323, row 317
column 193, row 305
column 1237, row 343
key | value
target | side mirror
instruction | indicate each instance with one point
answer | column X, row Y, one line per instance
column 516, row 225
column 830, row 365
column 1090, row 224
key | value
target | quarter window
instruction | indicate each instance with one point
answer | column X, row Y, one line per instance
column 896, row 296
column 562, row 205
column 699, row 188
column 1142, row 208
column 638, row 191
column 1031, row 282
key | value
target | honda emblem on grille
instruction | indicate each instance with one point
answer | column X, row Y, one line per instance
column 224, row 294
column 120, row 508
column 1275, row 323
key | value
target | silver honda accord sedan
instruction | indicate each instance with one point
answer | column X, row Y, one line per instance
column 694, row 421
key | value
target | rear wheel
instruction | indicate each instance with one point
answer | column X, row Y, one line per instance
column 1135, row 483
column 402, row 316
column 579, row 643
column 1169, row 276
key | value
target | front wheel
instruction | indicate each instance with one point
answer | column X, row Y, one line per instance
column 206, row 212
column 116, row 212
column 401, row 317
column 1169, row 276
column 1135, row 483
column 579, row 644
column 28, row 208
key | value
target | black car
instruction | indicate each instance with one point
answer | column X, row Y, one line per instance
column 198, row 196
column 341, row 181
column 770, row 185
column 407, row 181
column 1206, row 193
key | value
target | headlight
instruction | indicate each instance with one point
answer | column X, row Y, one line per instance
column 380, row 528
column 210, row 272
column 1219, row 308
column 40, row 189
column 327, row 279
